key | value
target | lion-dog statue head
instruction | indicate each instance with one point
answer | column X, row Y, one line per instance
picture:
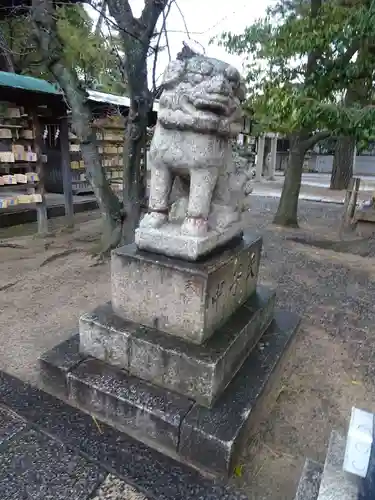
column 201, row 94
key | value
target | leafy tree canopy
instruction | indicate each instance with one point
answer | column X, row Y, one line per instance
column 91, row 55
column 298, row 66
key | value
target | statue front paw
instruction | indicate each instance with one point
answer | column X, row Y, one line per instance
column 194, row 226
column 153, row 220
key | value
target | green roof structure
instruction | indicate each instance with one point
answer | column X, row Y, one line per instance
column 28, row 83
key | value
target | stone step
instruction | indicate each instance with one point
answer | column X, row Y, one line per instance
column 309, row 483
column 199, row 372
column 336, row 484
column 210, row 439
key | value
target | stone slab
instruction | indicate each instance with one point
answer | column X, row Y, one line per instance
column 106, row 336
column 213, row 438
column 114, row 488
column 149, row 471
column 337, row 484
column 168, row 240
column 199, row 372
column 308, row 486
column 128, row 403
column 36, row 466
column 365, row 229
column 365, row 214
column 185, row 299
column 56, row 363
column 367, row 486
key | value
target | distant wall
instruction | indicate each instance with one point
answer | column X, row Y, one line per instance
column 365, row 165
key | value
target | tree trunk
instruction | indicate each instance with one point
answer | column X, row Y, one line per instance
column 300, row 142
column 136, row 136
column 43, row 19
column 359, row 92
column 287, row 210
column 342, row 169
column 133, row 185
column 109, row 204
column 6, row 57
column 136, row 35
column 266, row 152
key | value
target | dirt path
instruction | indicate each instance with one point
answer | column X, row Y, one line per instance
column 46, row 284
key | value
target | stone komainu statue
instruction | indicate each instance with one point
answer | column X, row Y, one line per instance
column 199, row 112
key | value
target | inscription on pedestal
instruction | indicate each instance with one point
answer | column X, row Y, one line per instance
column 218, row 293
column 231, row 286
column 185, row 299
column 251, row 266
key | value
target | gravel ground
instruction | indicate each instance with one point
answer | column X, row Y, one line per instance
column 333, row 365
column 46, row 284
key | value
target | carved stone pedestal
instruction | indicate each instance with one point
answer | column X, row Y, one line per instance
column 169, row 241
column 183, row 357
column 184, row 299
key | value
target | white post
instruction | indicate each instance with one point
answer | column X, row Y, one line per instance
column 272, row 168
column 259, row 162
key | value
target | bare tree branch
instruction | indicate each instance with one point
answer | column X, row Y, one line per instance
column 6, row 59
column 103, row 9
column 165, row 15
column 123, row 26
column 157, row 47
column 314, row 139
column 150, row 15
column 183, row 20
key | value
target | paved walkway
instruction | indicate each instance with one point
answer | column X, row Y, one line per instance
column 37, row 466
column 312, row 189
column 323, row 180
column 52, row 451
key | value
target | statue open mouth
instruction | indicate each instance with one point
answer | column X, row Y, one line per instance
column 216, row 104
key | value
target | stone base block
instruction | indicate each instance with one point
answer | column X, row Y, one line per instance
column 125, row 402
column 365, row 229
column 128, row 403
column 208, row 439
column 59, row 361
column 168, row 240
column 184, row 299
column 199, row 372
column 214, row 438
column 309, row 483
column 336, row 483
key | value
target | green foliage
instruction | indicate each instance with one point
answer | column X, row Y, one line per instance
column 92, row 56
column 94, row 60
column 298, row 66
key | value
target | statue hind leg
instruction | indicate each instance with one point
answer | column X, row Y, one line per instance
column 160, row 188
column 202, row 185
